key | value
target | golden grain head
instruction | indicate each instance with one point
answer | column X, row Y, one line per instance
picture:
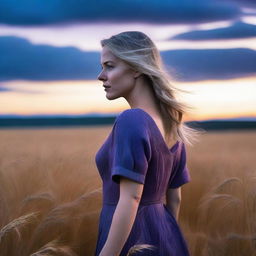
column 17, row 223
column 140, row 248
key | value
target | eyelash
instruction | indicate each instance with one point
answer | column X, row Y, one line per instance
column 108, row 66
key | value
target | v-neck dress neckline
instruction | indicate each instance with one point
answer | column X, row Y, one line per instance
column 174, row 147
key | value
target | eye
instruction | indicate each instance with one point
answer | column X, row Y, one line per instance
column 109, row 66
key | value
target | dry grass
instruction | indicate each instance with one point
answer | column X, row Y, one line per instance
column 219, row 205
column 50, row 193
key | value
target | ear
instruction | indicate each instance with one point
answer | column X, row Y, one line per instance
column 136, row 74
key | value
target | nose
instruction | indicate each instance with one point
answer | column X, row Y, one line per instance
column 102, row 76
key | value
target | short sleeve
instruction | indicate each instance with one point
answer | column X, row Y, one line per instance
column 131, row 147
column 181, row 174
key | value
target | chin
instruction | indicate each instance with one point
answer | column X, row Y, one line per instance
column 112, row 97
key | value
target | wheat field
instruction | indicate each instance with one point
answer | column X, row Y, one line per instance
column 50, row 192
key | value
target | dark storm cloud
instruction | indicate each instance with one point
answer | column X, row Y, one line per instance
column 19, row 59
column 23, row 60
column 237, row 30
column 38, row 12
column 196, row 65
column 245, row 3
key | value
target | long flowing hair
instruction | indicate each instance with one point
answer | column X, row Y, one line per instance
column 140, row 53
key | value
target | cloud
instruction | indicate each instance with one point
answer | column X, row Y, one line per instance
column 237, row 30
column 31, row 12
column 5, row 89
column 248, row 3
column 219, row 64
column 18, row 89
column 24, row 61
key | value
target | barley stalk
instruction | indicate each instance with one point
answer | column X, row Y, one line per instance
column 17, row 223
column 54, row 248
column 139, row 248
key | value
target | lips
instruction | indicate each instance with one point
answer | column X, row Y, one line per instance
column 106, row 86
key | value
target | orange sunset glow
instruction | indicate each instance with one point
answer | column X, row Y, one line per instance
column 209, row 99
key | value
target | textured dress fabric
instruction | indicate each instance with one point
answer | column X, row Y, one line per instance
column 136, row 149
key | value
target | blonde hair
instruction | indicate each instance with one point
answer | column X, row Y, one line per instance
column 140, row 53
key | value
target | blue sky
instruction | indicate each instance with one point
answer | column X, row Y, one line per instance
column 50, row 51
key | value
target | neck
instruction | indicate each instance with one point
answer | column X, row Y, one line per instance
column 142, row 96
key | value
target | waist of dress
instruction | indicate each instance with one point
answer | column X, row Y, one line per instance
column 140, row 204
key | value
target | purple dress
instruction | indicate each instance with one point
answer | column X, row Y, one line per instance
column 136, row 149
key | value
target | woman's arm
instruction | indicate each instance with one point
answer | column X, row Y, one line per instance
column 123, row 218
column 173, row 200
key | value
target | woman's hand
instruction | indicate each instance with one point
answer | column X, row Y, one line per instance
column 123, row 218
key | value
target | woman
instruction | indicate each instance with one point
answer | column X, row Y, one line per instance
column 143, row 160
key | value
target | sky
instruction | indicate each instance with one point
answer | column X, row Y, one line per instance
column 50, row 54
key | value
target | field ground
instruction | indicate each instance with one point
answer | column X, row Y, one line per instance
column 52, row 173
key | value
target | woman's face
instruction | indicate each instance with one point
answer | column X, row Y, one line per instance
column 117, row 77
